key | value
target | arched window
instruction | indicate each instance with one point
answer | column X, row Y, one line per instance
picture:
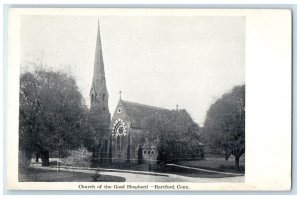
column 103, row 96
column 119, row 127
column 118, row 143
column 122, row 141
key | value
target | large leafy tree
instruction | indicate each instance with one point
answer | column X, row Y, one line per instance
column 170, row 130
column 53, row 116
column 225, row 124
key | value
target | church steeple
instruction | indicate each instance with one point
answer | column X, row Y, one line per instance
column 99, row 74
column 99, row 94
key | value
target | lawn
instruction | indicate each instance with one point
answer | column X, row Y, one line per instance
column 217, row 164
column 164, row 169
column 194, row 173
column 214, row 164
column 41, row 175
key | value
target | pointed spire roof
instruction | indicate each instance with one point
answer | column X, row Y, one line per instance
column 99, row 74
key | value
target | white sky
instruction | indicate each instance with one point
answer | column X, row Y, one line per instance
column 160, row 61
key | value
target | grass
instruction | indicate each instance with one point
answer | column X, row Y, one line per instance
column 165, row 169
column 39, row 175
column 216, row 164
column 194, row 173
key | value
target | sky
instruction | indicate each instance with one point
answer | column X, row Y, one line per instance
column 163, row 61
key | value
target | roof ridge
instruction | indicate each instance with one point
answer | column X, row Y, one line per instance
column 144, row 105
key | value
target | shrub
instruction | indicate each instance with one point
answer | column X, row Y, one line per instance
column 24, row 160
column 79, row 157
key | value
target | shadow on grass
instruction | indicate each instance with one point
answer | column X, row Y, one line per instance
column 39, row 175
column 215, row 165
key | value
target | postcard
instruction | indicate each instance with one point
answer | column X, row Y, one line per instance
column 149, row 99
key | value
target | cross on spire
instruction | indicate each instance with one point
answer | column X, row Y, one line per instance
column 120, row 93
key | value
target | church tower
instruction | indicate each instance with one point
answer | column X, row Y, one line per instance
column 98, row 94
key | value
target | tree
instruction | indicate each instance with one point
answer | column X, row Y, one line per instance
column 53, row 116
column 225, row 124
column 173, row 132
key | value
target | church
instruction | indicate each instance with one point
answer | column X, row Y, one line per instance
column 124, row 131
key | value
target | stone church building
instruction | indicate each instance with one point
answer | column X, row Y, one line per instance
column 127, row 132
column 123, row 132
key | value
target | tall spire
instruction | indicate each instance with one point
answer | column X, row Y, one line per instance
column 99, row 74
column 99, row 94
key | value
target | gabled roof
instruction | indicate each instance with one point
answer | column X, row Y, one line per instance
column 137, row 112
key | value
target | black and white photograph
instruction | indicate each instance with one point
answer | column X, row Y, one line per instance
column 132, row 98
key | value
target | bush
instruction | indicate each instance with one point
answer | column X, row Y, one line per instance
column 24, row 160
column 80, row 157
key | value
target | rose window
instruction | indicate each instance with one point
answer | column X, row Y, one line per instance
column 119, row 128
